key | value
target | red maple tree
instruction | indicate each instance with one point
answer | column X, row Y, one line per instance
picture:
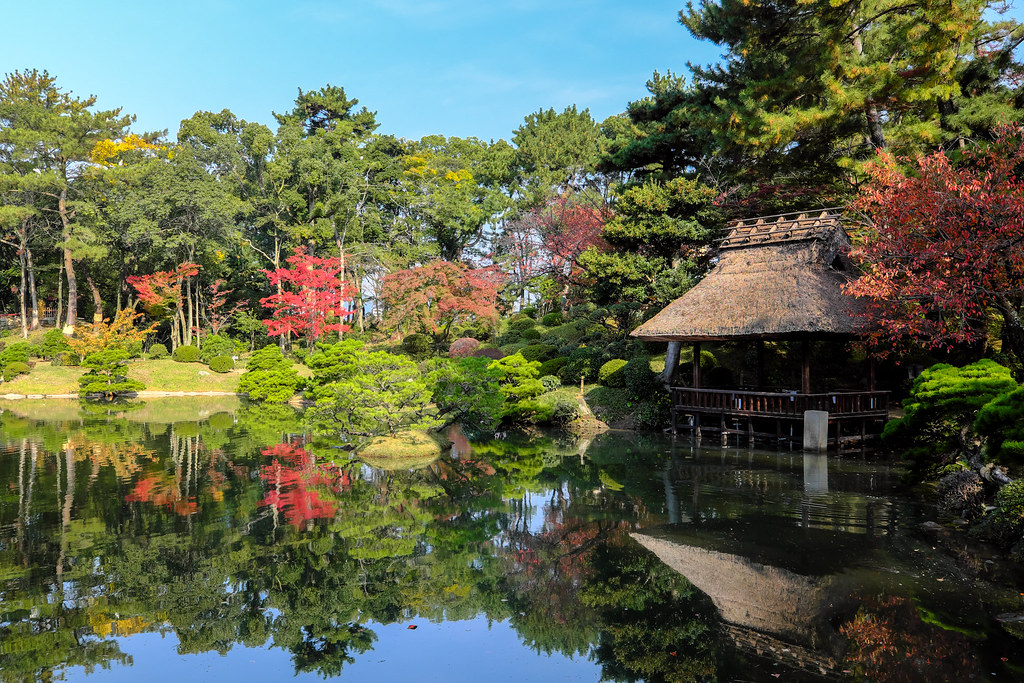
column 161, row 291
column 945, row 245
column 436, row 297
column 567, row 229
column 318, row 302
column 218, row 311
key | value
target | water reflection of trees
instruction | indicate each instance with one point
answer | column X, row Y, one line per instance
column 235, row 531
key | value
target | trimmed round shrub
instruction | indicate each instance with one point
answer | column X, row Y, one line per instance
column 158, row 351
column 611, row 373
column 493, row 354
column 551, row 367
column 222, row 364
column 583, row 364
column 186, row 354
column 552, row 319
column 461, row 348
column 638, row 378
column 530, row 312
column 215, row 345
column 18, row 352
column 530, row 334
column 14, row 369
column 550, row 382
column 539, row 352
column 521, row 324
column 416, row 344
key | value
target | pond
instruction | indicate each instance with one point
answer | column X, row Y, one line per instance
column 204, row 539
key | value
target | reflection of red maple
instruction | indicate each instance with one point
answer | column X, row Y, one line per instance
column 154, row 489
column 291, row 479
column 890, row 642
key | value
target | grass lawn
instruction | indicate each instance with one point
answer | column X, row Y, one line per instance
column 157, row 375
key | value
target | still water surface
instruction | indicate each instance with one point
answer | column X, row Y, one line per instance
column 199, row 539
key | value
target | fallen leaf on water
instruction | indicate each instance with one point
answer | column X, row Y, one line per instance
column 411, row 627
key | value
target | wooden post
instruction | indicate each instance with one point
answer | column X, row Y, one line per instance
column 871, row 373
column 696, row 365
column 805, row 370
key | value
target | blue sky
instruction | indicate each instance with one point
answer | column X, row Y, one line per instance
column 427, row 66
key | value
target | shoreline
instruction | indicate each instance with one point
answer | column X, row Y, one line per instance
column 141, row 394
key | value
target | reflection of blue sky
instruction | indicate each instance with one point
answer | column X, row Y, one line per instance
column 436, row 66
column 471, row 650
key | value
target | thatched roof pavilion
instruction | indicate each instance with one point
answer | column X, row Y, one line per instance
column 777, row 277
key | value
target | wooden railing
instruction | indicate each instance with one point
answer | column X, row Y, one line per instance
column 780, row 404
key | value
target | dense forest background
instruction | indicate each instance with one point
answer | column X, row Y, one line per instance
column 622, row 212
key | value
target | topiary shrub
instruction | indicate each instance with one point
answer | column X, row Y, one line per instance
column 521, row 325
column 215, row 345
column 269, row 376
column 461, row 348
column 12, row 370
column 416, row 345
column 1001, row 420
column 52, row 343
column 531, row 334
column 19, row 352
column 186, row 354
column 551, row 367
column 539, row 352
column 639, row 379
column 583, row 364
column 222, row 364
column 552, row 319
column 493, row 354
column 530, row 312
column 105, row 374
column 157, row 351
column 611, row 373
column 941, row 409
column 550, row 382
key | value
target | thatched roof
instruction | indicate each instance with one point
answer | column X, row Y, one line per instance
column 777, row 277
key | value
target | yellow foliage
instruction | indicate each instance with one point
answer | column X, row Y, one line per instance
column 105, row 152
column 118, row 334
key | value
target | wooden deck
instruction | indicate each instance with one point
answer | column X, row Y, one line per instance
column 754, row 413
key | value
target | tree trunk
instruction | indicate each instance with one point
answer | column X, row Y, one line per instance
column 875, row 127
column 33, row 294
column 1013, row 328
column 187, row 332
column 97, row 302
column 69, row 266
column 21, row 294
column 60, row 297
column 671, row 362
